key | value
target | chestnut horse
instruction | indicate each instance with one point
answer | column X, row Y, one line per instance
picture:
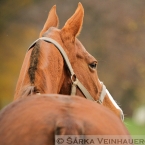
column 37, row 119
column 57, row 63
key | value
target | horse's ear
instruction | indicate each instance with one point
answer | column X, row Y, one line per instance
column 52, row 21
column 73, row 25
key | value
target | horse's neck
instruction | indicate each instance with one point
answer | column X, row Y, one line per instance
column 22, row 82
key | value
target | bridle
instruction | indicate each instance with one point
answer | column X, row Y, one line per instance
column 75, row 82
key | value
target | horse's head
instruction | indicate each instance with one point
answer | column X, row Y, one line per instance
column 58, row 63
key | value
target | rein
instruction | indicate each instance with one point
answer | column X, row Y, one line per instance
column 75, row 82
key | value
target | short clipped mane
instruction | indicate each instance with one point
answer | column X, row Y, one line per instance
column 33, row 62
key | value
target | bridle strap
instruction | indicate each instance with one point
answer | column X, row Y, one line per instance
column 103, row 94
column 75, row 83
column 78, row 84
column 59, row 48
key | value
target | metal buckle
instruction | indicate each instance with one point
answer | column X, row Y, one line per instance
column 74, row 80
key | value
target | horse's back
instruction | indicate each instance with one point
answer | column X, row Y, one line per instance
column 37, row 119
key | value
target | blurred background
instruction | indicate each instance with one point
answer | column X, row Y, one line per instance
column 113, row 32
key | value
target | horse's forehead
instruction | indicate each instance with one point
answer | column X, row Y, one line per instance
column 82, row 52
column 54, row 33
column 80, row 45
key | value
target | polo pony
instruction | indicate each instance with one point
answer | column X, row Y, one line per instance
column 41, row 119
column 57, row 63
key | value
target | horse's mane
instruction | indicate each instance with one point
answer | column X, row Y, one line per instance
column 28, row 90
column 33, row 62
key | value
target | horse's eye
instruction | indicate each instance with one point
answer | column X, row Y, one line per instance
column 93, row 65
column 36, row 91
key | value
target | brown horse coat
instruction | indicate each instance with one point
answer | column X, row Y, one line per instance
column 35, row 120
column 44, row 70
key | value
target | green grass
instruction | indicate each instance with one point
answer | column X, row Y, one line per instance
column 133, row 128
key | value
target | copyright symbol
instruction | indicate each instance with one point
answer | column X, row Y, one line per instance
column 60, row 140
